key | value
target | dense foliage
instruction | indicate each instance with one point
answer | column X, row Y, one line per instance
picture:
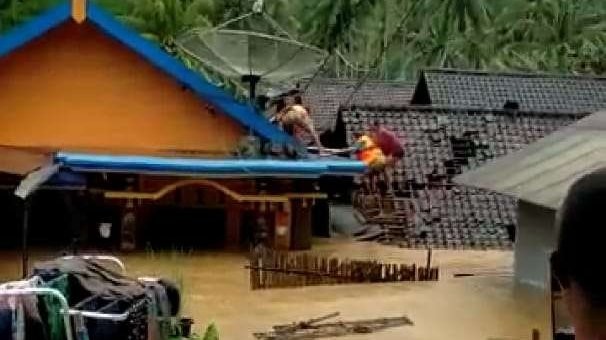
column 536, row 35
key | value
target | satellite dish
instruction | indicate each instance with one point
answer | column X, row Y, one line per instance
column 253, row 48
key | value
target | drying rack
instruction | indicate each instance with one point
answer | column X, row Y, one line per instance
column 71, row 316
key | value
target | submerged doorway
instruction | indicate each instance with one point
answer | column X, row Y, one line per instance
column 169, row 226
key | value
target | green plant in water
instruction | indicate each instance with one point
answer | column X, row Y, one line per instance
column 212, row 333
column 176, row 261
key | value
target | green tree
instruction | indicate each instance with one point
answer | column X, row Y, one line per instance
column 164, row 20
column 534, row 35
column 14, row 12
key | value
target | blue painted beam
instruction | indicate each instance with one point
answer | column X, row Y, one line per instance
column 208, row 167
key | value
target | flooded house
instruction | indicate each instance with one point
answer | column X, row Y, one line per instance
column 137, row 148
column 539, row 178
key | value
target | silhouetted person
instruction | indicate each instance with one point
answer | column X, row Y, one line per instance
column 578, row 262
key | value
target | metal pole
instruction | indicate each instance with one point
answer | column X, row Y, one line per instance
column 428, row 268
column 252, row 90
column 24, row 235
column 252, row 80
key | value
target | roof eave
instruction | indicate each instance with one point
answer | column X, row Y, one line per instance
column 28, row 31
column 215, row 168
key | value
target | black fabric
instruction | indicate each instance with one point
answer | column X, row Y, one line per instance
column 34, row 327
column 6, row 322
column 88, row 278
column 173, row 295
column 94, row 287
column 133, row 328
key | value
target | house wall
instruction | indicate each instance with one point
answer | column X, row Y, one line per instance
column 535, row 240
column 74, row 88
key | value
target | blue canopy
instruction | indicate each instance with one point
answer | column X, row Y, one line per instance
column 210, row 167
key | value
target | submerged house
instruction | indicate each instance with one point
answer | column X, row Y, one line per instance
column 459, row 120
column 147, row 144
column 440, row 144
column 539, row 177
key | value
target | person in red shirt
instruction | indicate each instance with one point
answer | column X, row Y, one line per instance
column 390, row 145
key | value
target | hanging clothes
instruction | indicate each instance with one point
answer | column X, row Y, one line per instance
column 19, row 315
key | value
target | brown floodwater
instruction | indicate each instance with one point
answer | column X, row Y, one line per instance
column 216, row 289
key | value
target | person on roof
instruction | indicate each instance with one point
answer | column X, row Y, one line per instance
column 295, row 120
column 369, row 153
column 388, row 141
column 391, row 147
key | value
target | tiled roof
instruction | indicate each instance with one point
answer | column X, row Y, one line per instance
column 324, row 96
column 537, row 92
column 543, row 172
column 441, row 143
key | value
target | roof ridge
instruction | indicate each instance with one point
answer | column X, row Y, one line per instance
column 430, row 108
column 513, row 73
column 355, row 81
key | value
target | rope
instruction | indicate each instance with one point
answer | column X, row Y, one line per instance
column 315, row 75
column 228, row 22
column 379, row 57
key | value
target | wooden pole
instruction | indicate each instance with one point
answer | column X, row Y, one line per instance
column 24, row 237
column 428, row 266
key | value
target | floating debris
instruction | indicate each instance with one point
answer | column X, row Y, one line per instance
column 313, row 329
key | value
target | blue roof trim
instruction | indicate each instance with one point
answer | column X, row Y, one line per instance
column 34, row 28
column 242, row 112
column 344, row 167
column 208, row 167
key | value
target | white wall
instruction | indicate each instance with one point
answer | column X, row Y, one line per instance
column 535, row 240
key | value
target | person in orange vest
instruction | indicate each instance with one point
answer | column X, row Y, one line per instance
column 369, row 153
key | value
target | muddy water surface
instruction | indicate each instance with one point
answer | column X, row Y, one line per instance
column 216, row 289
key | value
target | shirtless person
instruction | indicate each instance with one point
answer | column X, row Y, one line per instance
column 295, row 119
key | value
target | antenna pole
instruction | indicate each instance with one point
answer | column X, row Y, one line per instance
column 252, row 80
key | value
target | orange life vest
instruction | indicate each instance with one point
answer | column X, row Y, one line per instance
column 369, row 153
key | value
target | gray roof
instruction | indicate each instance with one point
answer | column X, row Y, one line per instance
column 434, row 138
column 324, row 96
column 543, row 172
column 534, row 92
